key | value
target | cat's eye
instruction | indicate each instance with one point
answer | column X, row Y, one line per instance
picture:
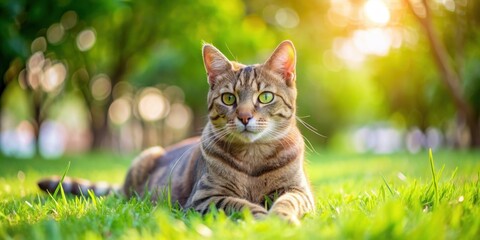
column 228, row 99
column 265, row 97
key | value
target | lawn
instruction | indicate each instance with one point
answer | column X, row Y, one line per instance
column 357, row 196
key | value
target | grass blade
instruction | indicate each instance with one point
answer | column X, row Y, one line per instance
column 388, row 187
column 91, row 193
column 60, row 187
column 434, row 177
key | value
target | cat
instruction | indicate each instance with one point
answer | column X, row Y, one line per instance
column 250, row 151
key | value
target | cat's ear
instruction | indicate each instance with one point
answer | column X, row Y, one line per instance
column 283, row 61
column 215, row 63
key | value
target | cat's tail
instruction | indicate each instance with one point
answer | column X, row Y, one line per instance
column 77, row 186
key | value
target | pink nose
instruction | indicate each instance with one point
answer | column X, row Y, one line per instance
column 244, row 117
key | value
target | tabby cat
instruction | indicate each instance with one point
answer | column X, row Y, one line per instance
column 250, row 150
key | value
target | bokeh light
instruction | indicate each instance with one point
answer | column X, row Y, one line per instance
column 35, row 70
column 39, row 45
column 287, row 18
column 377, row 12
column 340, row 12
column 450, row 5
column 101, row 87
column 345, row 49
column 152, row 105
column 375, row 41
column 122, row 89
column 120, row 111
column 174, row 94
column 55, row 33
column 54, row 77
column 69, row 19
column 180, row 116
column 283, row 17
column 86, row 39
column 372, row 37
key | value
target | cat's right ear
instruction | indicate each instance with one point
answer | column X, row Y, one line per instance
column 215, row 63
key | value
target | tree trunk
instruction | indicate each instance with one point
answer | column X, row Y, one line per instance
column 448, row 74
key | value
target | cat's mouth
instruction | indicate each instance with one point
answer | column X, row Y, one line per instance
column 248, row 135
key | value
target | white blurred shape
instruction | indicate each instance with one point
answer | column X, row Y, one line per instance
column 379, row 139
column 415, row 140
column 52, row 139
column 19, row 142
column 388, row 140
column 434, row 138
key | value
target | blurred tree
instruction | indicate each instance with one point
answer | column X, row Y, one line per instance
column 31, row 27
column 143, row 42
column 447, row 67
column 119, row 47
column 414, row 57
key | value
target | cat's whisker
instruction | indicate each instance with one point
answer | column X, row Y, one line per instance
column 309, row 127
column 212, row 140
column 309, row 145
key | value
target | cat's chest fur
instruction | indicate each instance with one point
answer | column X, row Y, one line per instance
column 255, row 170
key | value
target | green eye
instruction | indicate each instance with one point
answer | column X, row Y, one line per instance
column 228, row 99
column 265, row 97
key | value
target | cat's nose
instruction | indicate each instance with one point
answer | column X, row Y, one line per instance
column 244, row 118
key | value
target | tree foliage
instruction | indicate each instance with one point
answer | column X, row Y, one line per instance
column 138, row 44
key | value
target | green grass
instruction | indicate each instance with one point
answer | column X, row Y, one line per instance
column 399, row 196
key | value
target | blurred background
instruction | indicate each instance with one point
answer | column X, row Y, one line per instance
column 376, row 76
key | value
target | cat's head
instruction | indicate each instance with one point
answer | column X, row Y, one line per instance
column 255, row 102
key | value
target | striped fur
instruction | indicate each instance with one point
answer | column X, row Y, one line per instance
column 249, row 151
column 77, row 186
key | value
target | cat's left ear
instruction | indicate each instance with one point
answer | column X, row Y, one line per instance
column 215, row 63
column 283, row 61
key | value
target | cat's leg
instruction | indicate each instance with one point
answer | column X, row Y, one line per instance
column 227, row 204
column 140, row 171
column 293, row 204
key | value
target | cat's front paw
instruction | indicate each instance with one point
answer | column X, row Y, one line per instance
column 259, row 213
column 289, row 217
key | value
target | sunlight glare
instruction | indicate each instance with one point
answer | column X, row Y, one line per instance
column 377, row 12
column 374, row 41
column 345, row 49
column 340, row 12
